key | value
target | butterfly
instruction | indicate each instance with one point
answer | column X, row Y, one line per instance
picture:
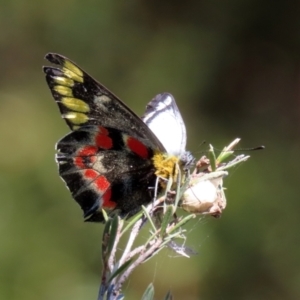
column 111, row 160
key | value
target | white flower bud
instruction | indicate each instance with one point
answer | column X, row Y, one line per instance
column 205, row 194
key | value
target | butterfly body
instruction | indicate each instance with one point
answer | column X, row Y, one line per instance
column 111, row 158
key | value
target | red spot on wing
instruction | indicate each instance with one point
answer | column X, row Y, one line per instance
column 137, row 147
column 102, row 139
column 88, row 151
column 102, row 185
column 107, row 203
column 90, row 174
column 79, row 162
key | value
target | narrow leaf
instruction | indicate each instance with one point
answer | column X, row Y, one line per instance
column 212, row 158
column 149, row 293
column 178, row 187
column 120, row 270
column 105, row 238
column 182, row 222
column 132, row 222
column 112, row 234
column 168, row 296
column 166, row 220
column 148, row 217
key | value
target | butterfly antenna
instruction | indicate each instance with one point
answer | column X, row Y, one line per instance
column 262, row 147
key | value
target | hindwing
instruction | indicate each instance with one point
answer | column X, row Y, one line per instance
column 105, row 168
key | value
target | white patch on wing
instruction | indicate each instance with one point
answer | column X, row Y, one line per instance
column 102, row 101
column 163, row 117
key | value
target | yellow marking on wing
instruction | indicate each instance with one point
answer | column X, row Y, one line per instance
column 72, row 75
column 72, row 71
column 76, row 118
column 64, row 81
column 75, row 104
column 73, row 68
column 63, row 90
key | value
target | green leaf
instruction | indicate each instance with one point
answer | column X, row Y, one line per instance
column 112, row 233
column 178, row 186
column 149, row 293
column 234, row 162
column 105, row 239
column 212, row 157
column 182, row 222
column 224, row 155
column 169, row 185
column 105, row 216
column 227, row 151
column 120, row 270
column 184, row 186
column 168, row 296
column 149, row 217
column 168, row 188
column 132, row 222
column 166, row 220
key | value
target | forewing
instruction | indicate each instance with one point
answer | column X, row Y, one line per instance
column 164, row 119
column 83, row 101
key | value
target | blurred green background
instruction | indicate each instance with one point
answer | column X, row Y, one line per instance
column 234, row 69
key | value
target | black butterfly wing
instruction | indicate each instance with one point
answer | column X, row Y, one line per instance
column 105, row 168
column 84, row 101
column 106, row 162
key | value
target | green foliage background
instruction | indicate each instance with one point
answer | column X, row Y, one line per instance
column 233, row 67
